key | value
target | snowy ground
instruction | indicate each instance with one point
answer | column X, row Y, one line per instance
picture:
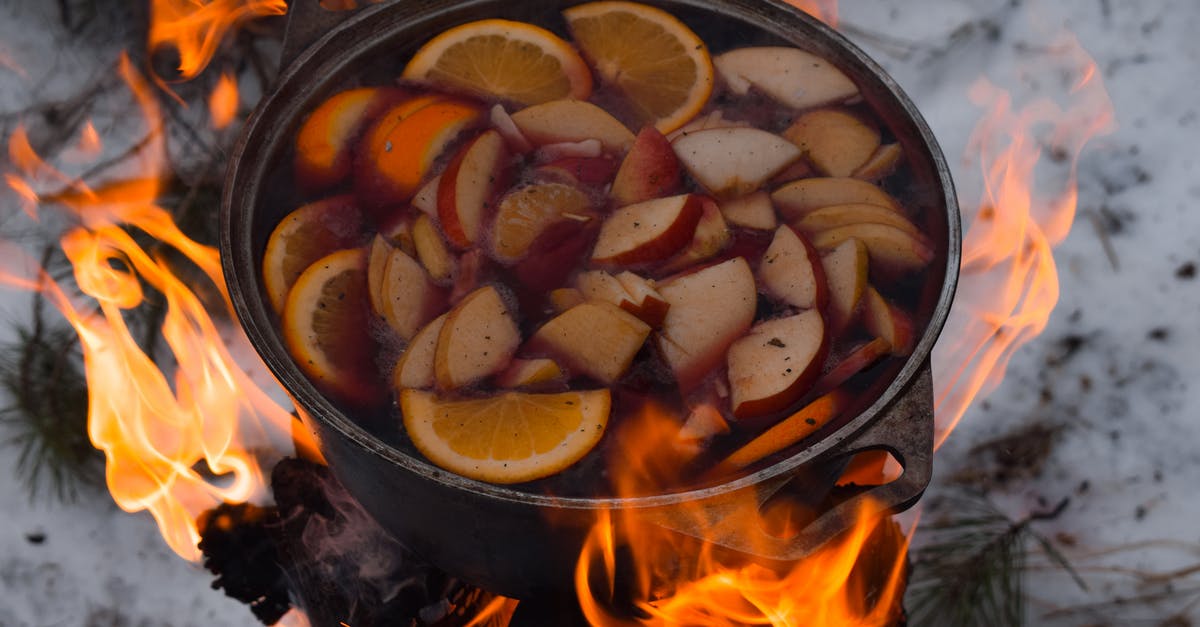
column 1112, row 375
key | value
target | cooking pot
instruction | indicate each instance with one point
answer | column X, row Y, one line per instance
column 515, row 541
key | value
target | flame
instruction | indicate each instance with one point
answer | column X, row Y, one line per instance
column 223, row 101
column 1009, row 283
column 824, row 10
column 196, row 27
column 175, row 445
column 688, row 579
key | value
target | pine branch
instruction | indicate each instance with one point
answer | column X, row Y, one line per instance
column 970, row 570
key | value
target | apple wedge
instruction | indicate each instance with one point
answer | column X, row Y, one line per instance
column 886, row 321
column 647, row 304
column 650, row 170
column 414, row 369
column 524, row 373
column 789, row 76
column 503, row 123
column 478, row 340
column 648, row 231
column 432, row 251
column 703, row 422
column 831, row 217
column 845, row 270
column 576, row 171
column 564, row 298
column 776, row 363
column 881, row 164
column 891, row 248
column 528, row 213
column 711, row 237
column 469, row 186
column 731, row 162
column 792, row 272
column 855, row 362
column 377, row 258
column 407, row 297
column 836, row 142
column 754, row 211
column 426, row 198
column 799, row 198
column 560, row 121
column 595, row 339
column 709, row 310
column 602, row 286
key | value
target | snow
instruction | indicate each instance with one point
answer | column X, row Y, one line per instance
column 1125, row 401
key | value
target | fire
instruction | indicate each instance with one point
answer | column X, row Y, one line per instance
column 223, row 101
column 824, row 10
column 175, row 446
column 195, row 28
column 1009, row 283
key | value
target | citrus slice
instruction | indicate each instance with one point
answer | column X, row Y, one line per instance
column 326, row 327
column 304, row 236
column 503, row 59
column 660, row 66
column 509, row 438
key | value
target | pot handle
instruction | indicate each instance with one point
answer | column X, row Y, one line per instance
column 905, row 431
column 307, row 21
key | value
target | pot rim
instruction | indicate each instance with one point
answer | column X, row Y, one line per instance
column 237, row 259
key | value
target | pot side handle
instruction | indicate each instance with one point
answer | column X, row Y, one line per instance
column 308, row 21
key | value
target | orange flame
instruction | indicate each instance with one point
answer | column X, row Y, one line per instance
column 196, row 27
column 688, row 579
column 155, row 431
column 223, row 102
column 1009, row 282
column 824, row 10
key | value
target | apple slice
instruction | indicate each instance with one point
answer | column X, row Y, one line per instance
column 478, row 339
column 560, row 121
column 790, row 76
column 426, row 198
column 885, row 320
column 754, row 211
column 647, row 304
column 799, row 198
column 564, row 298
column 326, row 139
column 732, row 162
column 837, row 142
column 588, row 171
column 596, row 339
column 526, row 214
column 414, row 369
column 503, row 123
column 881, row 164
column 891, row 248
column 831, row 217
column 857, row 361
column 524, row 373
column 407, row 297
column 602, row 286
column 846, row 275
column 792, row 272
column 703, row 422
column 556, row 255
column 709, row 309
column 377, row 258
column 650, row 170
column 714, row 119
column 776, row 363
column 469, row 186
column 432, row 251
column 586, row 149
column 648, row 231
column 712, row 235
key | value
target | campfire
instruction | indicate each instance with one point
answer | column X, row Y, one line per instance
column 193, row 438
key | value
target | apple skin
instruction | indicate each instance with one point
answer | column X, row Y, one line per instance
column 650, row 170
column 648, row 303
column 585, row 171
column 596, row 339
column 647, row 232
column 791, row 271
column 555, row 256
column 754, row 211
column 712, row 235
column 710, row 309
column 326, row 140
column 776, row 363
column 469, row 186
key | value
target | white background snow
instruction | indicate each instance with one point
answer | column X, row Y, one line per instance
column 1130, row 433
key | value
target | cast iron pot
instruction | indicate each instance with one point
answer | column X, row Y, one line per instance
column 520, row 543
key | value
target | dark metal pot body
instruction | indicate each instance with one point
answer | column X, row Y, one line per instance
column 519, row 543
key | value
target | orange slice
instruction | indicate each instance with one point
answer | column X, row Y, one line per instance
column 509, row 438
column 326, row 327
column 661, row 67
column 503, row 59
column 304, row 236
